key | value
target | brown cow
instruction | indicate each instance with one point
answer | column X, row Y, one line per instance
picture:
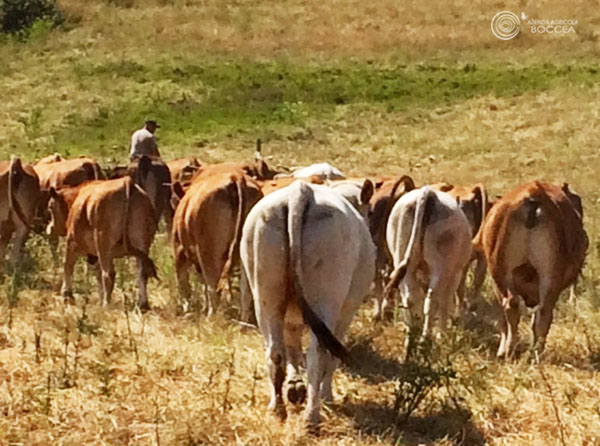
column 535, row 244
column 206, row 231
column 475, row 204
column 107, row 220
column 183, row 170
column 157, row 184
column 387, row 191
column 55, row 171
column 274, row 184
column 19, row 201
column 257, row 169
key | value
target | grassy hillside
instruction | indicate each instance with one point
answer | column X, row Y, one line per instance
column 373, row 87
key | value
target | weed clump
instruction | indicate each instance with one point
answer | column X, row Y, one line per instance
column 422, row 373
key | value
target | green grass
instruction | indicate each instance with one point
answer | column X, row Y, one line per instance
column 211, row 100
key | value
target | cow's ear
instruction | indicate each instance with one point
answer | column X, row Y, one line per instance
column 262, row 170
column 409, row 183
column 367, row 191
column 445, row 187
column 178, row 190
column 478, row 194
column 458, row 200
column 53, row 193
column 565, row 188
column 144, row 166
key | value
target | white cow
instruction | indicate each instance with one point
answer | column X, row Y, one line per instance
column 309, row 258
column 357, row 192
column 430, row 241
column 324, row 170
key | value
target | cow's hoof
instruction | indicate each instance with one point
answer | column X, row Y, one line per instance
column 296, row 393
column 144, row 307
column 312, row 428
column 68, row 297
column 279, row 411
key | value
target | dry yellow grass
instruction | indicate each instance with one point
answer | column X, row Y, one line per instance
column 203, row 381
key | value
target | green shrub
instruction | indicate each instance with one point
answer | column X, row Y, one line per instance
column 422, row 373
column 18, row 16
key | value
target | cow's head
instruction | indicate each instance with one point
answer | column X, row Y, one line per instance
column 474, row 206
column 59, row 211
column 385, row 195
column 177, row 194
column 366, row 192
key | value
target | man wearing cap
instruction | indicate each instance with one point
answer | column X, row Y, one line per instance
column 143, row 141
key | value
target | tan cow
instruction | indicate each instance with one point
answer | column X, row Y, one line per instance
column 206, row 231
column 387, row 191
column 430, row 241
column 535, row 244
column 475, row 203
column 19, row 201
column 111, row 219
column 358, row 191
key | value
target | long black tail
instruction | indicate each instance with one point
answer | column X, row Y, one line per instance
column 298, row 205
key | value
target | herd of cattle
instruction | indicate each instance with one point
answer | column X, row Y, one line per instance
column 310, row 249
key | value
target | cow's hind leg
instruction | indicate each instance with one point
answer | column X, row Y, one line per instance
column 542, row 319
column 294, row 323
column 478, row 278
column 461, row 294
column 269, row 300
column 66, row 289
column 182, row 266
column 510, row 307
column 276, row 361
column 6, row 230
column 143, row 275
column 105, row 273
column 247, row 305
column 18, row 244
column 317, row 363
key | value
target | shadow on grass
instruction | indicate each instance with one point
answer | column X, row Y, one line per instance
column 369, row 364
column 481, row 322
column 450, row 424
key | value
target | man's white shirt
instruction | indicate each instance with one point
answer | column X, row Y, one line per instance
column 143, row 142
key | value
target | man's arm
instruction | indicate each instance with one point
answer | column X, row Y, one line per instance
column 154, row 147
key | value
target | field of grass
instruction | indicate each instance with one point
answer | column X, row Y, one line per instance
column 375, row 88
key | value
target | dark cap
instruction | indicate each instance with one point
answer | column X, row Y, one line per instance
column 151, row 121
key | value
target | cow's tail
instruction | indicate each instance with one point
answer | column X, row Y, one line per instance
column 240, row 184
column 477, row 240
column 416, row 235
column 148, row 267
column 298, row 206
column 15, row 175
